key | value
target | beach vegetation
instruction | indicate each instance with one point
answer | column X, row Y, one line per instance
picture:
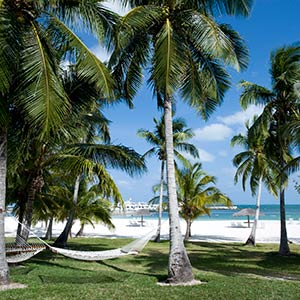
column 157, row 138
column 186, row 51
column 281, row 107
column 196, row 193
column 37, row 40
column 253, row 164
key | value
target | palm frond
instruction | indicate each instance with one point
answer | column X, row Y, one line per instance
column 254, row 94
column 89, row 67
column 40, row 91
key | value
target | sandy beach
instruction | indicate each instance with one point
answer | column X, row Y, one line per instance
column 211, row 231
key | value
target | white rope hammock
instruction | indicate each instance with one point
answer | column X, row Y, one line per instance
column 22, row 256
column 26, row 251
column 132, row 248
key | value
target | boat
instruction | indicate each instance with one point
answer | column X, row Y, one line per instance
column 135, row 207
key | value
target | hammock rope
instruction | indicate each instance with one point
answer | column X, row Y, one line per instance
column 26, row 251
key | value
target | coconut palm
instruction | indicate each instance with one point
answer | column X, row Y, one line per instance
column 281, row 107
column 196, row 194
column 186, row 50
column 157, row 139
column 253, row 163
column 34, row 156
column 33, row 37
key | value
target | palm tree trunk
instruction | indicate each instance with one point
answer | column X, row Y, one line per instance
column 61, row 241
column 4, row 272
column 179, row 267
column 80, row 231
column 188, row 230
column 251, row 238
column 48, row 235
column 284, row 248
column 157, row 238
column 21, row 217
column 35, row 187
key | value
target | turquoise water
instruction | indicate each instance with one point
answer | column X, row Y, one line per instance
column 271, row 212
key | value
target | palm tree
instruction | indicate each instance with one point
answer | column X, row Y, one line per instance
column 92, row 206
column 157, row 139
column 196, row 195
column 185, row 48
column 281, row 107
column 253, row 163
column 92, row 160
column 33, row 38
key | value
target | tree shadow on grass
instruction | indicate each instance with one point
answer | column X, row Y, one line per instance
column 235, row 260
column 96, row 279
column 154, row 265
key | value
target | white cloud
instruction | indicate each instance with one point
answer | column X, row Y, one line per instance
column 240, row 118
column 213, row 132
column 116, row 7
column 205, row 156
column 223, row 153
column 100, row 52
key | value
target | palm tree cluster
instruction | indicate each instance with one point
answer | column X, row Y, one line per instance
column 51, row 115
column 271, row 140
column 55, row 147
column 54, row 138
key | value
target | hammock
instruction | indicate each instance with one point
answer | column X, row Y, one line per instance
column 132, row 248
column 21, row 250
column 22, row 256
column 18, row 253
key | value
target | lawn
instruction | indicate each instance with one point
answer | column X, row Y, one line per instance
column 228, row 271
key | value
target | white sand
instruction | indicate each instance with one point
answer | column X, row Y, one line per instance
column 212, row 231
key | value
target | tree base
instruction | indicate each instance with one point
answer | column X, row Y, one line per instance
column 157, row 238
column 190, row 283
column 11, row 286
column 61, row 241
column 250, row 242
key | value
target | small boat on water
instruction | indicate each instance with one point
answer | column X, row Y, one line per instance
column 135, row 207
column 223, row 207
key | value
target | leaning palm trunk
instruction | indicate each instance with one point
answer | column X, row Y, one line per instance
column 188, row 232
column 284, row 248
column 157, row 238
column 4, row 273
column 179, row 268
column 80, row 231
column 48, row 235
column 251, row 239
column 61, row 241
column 20, row 218
column 36, row 186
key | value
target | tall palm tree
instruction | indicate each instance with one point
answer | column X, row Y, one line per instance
column 195, row 194
column 157, row 139
column 281, row 107
column 33, row 37
column 186, row 50
column 253, row 163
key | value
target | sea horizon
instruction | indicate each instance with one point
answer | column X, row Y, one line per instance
column 268, row 211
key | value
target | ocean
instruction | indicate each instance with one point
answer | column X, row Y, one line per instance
column 270, row 212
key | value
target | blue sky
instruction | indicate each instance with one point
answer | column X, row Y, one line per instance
column 273, row 23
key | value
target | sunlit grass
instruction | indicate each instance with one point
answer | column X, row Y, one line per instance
column 230, row 271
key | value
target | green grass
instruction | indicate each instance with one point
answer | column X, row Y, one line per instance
column 230, row 271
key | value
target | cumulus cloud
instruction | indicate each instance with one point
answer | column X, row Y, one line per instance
column 100, row 52
column 223, row 153
column 240, row 118
column 116, row 7
column 213, row 132
column 205, row 156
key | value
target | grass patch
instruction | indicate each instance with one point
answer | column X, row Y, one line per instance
column 231, row 271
